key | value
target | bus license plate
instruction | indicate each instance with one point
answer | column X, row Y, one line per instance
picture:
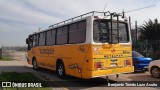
column 113, row 64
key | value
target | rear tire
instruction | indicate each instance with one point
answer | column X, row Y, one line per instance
column 155, row 72
column 61, row 70
column 34, row 63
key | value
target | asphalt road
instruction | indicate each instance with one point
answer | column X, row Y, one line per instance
column 73, row 83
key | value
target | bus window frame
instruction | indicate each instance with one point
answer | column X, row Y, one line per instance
column 56, row 30
column 115, row 21
column 51, row 36
column 79, row 30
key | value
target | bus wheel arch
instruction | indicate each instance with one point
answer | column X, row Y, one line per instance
column 60, row 68
column 34, row 63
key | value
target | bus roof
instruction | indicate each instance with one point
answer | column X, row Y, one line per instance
column 78, row 18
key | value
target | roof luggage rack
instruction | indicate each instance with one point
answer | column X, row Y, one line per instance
column 81, row 16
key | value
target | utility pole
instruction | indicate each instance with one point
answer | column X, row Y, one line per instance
column 136, row 35
column 1, row 51
column 130, row 22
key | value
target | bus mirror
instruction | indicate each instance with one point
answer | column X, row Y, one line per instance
column 27, row 41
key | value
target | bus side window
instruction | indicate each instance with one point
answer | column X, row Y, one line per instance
column 77, row 32
column 62, row 34
column 42, row 39
column 51, row 37
column 30, row 42
column 35, row 40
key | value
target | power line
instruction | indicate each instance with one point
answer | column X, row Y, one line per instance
column 140, row 8
column 104, row 8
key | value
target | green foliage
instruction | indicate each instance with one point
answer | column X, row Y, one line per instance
column 21, row 77
column 27, row 89
column 156, row 54
column 6, row 59
column 150, row 30
column 14, row 76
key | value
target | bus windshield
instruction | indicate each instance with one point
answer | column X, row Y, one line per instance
column 102, row 32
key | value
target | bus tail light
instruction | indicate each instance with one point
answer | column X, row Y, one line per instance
column 98, row 65
column 127, row 63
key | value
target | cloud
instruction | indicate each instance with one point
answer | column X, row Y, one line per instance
column 66, row 8
column 17, row 12
column 47, row 12
column 26, row 16
column 14, row 11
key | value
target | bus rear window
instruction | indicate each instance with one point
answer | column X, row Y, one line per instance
column 102, row 32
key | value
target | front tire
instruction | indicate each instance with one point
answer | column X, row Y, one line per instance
column 61, row 70
column 34, row 63
column 155, row 72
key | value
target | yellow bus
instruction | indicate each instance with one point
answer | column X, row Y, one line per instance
column 91, row 45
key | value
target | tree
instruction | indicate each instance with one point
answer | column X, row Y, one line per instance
column 150, row 30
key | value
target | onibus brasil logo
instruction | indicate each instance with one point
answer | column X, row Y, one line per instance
column 15, row 84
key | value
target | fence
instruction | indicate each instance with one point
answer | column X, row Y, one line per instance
column 13, row 52
column 148, row 48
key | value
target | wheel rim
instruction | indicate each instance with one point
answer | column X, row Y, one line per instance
column 60, row 70
column 155, row 72
column 34, row 64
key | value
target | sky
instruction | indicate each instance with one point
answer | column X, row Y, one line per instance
column 19, row 18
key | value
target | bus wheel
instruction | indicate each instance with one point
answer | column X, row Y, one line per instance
column 61, row 70
column 35, row 66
